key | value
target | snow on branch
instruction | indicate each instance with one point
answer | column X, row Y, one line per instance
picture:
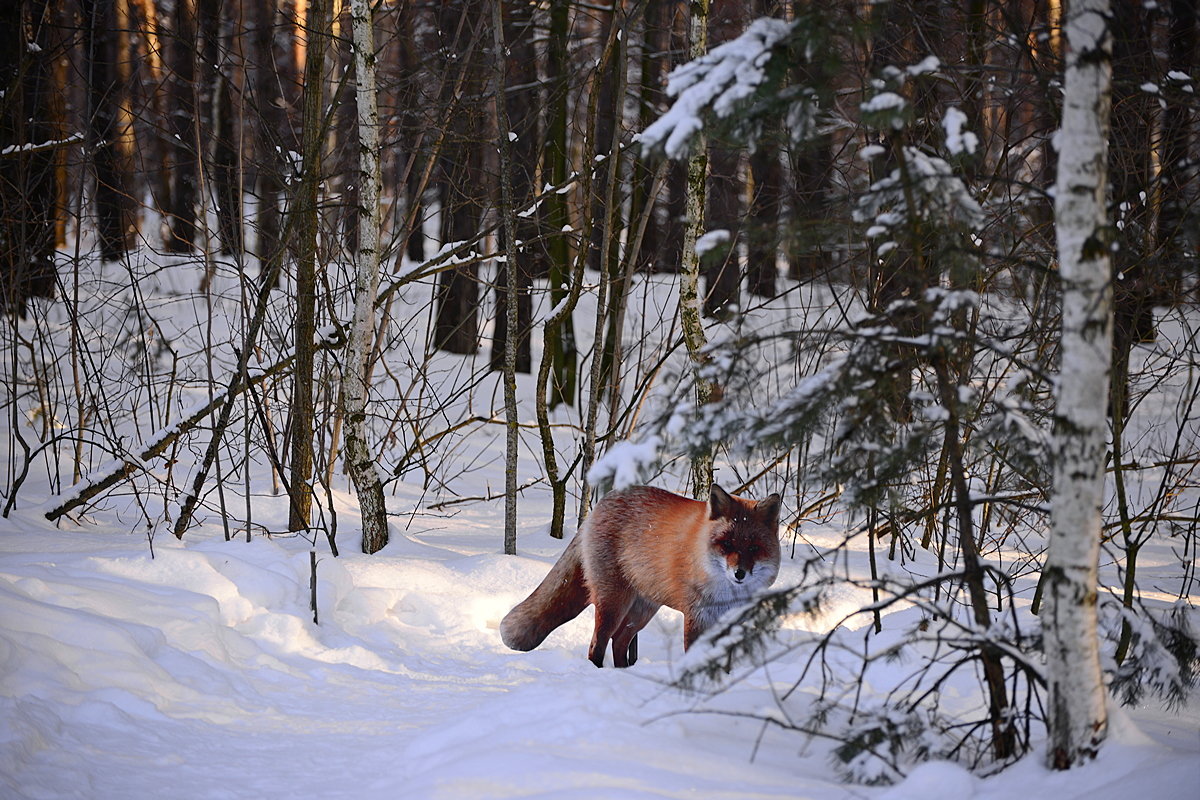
column 625, row 463
column 37, row 147
column 717, row 83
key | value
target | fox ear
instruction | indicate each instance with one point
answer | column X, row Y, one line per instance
column 720, row 503
column 770, row 509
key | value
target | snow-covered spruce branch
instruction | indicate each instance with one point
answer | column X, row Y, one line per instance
column 1163, row 657
column 945, row 641
column 718, row 84
column 121, row 469
column 743, row 635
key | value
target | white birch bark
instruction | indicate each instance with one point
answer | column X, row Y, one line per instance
column 1076, row 709
column 359, row 459
column 689, row 279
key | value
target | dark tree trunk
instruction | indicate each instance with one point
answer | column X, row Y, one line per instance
column 671, row 253
column 345, row 148
column 655, row 51
column 226, row 155
column 766, row 174
column 521, row 97
column 762, row 238
column 28, row 177
column 601, row 246
column 207, row 74
column 812, row 167
column 1133, row 116
column 722, row 274
column 463, row 184
column 1175, row 223
column 208, row 18
column 413, row 141
column 559, row 338
column 416, row 120
column 811, row 163
column 181, row 204
column 723, row 211
column 106, row 26
column 273, row 76
column 905, row 272
column 227, row 169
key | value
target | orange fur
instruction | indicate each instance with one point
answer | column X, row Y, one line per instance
column 643, row 548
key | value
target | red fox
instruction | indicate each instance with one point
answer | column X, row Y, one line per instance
column 643, row 548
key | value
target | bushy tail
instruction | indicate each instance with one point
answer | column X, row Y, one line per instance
column 558, row 599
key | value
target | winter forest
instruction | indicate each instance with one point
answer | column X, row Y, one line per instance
column 325, row 325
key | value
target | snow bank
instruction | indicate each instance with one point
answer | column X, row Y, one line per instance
column 200, row 673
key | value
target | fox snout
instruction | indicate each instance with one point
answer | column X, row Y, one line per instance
column 737, row 573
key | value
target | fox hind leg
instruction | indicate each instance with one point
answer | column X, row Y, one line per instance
column 610, row 615
column 624, row 645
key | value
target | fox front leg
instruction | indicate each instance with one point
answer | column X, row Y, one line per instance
column 692, row 628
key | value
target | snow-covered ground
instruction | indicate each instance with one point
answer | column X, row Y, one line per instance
column 199, row 673
column 194, row 669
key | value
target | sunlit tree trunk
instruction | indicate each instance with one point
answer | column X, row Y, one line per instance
column 305, row 207
column 106, row 26
column 1076, row 708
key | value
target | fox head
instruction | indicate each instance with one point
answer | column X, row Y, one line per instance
column 744, row 538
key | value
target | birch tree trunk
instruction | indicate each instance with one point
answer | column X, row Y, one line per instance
column 689, row 279
column 359, row 459
column 1076, row 711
